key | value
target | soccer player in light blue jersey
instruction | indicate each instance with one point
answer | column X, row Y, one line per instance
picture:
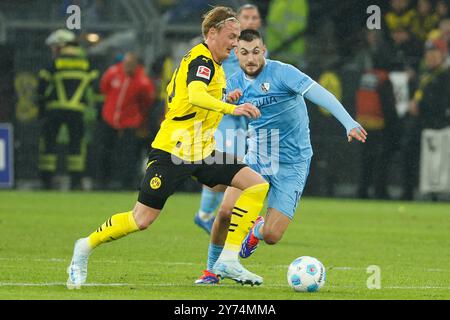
column 279, row 148
column 231, row 134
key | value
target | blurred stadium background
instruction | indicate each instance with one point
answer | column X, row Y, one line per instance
column 327, row 39
column 331, row 44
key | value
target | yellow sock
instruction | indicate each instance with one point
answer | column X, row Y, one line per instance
column 245, row 212
column 118, row 226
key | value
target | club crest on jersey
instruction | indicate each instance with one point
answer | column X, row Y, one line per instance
column 265, row 87
column 156, row 182
column 204, row 72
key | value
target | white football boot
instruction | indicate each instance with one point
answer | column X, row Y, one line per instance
column 77, row 269
column 234, row 270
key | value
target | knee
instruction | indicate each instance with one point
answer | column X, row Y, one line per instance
column 144, row 219
column 224, row 213
column 262, row 187
column 258, row 192
column 143, row 224
column 272, row 238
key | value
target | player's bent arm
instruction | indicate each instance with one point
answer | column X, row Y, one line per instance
column 322, row 97
column 199, row 96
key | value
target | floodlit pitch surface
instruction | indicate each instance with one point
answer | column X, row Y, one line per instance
column 409, row 242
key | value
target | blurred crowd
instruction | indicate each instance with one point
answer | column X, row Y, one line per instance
column 404, row 89
column 72, row 94
column 107, row 116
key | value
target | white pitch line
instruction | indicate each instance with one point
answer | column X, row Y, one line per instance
column 438, row 270
column 34, row 259
column 282, row 266
column 104, row 261
column 181, row 263
column 57, row 284
column 50, row 284
column 416, row 287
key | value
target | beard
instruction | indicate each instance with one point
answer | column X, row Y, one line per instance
column 255, row 72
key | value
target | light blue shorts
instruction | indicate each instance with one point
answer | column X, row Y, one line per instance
column 231, row 136
column 286, row 185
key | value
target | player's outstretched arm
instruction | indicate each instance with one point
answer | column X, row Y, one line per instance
column 321, row 96
column 248, row 110
column 199, row 96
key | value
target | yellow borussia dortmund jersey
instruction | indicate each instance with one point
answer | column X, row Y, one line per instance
column 188, row 130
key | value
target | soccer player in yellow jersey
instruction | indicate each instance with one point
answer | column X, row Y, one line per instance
column 231, row 133
column 185, row 147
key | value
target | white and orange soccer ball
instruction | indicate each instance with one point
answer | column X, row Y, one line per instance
column 306, row 274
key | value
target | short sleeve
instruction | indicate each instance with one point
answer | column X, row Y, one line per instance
column 200, row 69
column 294, row 80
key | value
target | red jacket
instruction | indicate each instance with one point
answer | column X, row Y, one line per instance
column 127, row 99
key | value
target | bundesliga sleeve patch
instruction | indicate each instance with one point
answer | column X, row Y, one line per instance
column 204, row 72
column 201, row 69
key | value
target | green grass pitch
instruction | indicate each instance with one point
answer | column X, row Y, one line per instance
column 408, row 241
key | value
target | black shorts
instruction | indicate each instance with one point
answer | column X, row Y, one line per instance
column 165, row 173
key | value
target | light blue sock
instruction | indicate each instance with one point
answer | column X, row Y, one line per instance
column 219, row 198
column 214, row 252
column 256, row 230
column 210, row 201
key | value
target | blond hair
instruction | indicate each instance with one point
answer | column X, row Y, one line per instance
column 216, row 18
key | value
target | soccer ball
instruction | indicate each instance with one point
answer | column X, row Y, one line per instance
column 306, row 274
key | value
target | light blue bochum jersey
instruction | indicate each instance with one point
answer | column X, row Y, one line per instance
column 282, row 132
column 231, row 64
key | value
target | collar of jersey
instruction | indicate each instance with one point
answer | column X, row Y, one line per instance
column 204, row 43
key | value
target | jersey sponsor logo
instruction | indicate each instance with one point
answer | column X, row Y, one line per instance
column 204, row 72
column 264, row 101
column 156, row 182
column 265, row 87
